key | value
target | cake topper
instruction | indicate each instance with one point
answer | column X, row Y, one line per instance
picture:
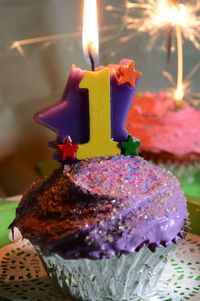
column 92, row 112
column 91, row 115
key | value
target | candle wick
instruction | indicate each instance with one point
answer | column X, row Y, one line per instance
column 90, row 56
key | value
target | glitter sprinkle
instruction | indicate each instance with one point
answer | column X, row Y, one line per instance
column 107, row 204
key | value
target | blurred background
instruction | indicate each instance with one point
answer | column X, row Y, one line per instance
column 40, row 40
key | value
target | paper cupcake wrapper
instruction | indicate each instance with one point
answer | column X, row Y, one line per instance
column 117, row 279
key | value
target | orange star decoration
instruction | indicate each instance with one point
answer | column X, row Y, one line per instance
column 128, row 74
column 68, row 149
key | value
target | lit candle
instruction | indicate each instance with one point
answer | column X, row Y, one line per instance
column 98, row 85
column 90, row 118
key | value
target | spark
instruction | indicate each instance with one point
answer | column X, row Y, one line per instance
column 147, row 16
column 192, row 98
column 47, row 40
column 179, row 91
column 18, row 44
column 157, row 15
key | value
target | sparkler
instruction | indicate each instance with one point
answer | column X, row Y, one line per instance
column 192, row 98
column 18, row 45
column 47, row 40
column 148, row 16
column 158, row 15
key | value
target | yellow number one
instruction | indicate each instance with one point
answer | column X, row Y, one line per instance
column 100, row 142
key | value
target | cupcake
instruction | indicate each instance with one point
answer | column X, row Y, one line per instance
column 106, row 221
column 168, row 132
column 104, row 226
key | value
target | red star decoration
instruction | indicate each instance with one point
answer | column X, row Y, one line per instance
column 128, row 74
column 68, row 149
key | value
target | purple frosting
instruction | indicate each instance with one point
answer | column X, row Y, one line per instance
column 147, row 208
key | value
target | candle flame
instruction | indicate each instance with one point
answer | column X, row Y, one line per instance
column 90, row 37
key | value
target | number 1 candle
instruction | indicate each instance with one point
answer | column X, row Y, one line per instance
column 90, row 117
column 100, row 142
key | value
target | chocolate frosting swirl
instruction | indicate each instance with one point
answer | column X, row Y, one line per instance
column 103, row 207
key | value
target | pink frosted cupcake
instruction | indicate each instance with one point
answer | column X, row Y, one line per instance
column 168, row 132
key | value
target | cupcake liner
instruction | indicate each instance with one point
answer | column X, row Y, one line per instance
column 128, row 277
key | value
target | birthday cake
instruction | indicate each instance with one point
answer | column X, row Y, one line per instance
column 167, row 131
column 106, row 219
